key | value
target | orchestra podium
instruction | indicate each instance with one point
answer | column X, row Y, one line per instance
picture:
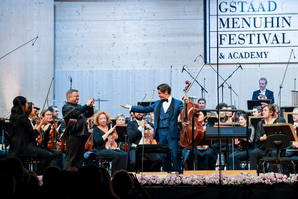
column 279, row 136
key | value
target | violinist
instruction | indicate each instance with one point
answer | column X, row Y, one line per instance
column 136, row 131
column 58, row 121
column 104, row 141
column 23, row 136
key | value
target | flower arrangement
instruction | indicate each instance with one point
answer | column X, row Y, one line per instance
column 240, row 179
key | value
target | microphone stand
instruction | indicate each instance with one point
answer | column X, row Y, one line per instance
column 35, row 38
column 230, row 86
column 46, row 100
column 195, row 78
column 283, row 79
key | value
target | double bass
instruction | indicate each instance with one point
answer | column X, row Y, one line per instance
column 192, row 132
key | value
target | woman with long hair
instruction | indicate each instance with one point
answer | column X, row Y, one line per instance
column 22, row 136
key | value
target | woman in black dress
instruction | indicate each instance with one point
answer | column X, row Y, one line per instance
column 104, row 142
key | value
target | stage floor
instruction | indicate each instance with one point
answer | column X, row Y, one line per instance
column 202, row 172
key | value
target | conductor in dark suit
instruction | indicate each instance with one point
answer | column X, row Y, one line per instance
column 166, row 112
column 263, row 93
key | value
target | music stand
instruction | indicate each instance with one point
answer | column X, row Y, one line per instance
column 254, row 120
column 147, row 103
column 278, row 138
column 121, row 131
column 253, row 103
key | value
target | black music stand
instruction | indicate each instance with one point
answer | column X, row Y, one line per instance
column 147, row 103
column 254, row 120
column 253, row 103
column 122, row 134
column 279, row 136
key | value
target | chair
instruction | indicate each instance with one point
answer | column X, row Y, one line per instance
column 30, row 162
column 277, row 142
column 104, row 160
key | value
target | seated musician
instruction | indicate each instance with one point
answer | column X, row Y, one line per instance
column 202, row 103
column 290, row 152
column 204, row 154
column 23, row 136
column 138, row 133
column 58, row 121
column 104, row 141
column 270, row 117
column 256, row 111
column 230, row 116
column 243, row 146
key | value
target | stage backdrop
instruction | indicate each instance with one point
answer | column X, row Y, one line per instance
column 28, row 70
column 117, row 50
column 121, row 50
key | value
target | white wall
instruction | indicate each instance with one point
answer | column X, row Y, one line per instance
column 121, row 50
column 117, row 51
column 28, row 70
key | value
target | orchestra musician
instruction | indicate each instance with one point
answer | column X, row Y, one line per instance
column 270, row 117
column 136, row 131
column 102, row 135
column 166, row 112
column 23, row 136
column 204, row 154
column 75, row 116
column 243, row 147
column 292, row 153
column 263, row 93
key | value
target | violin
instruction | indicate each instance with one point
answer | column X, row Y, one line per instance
column 111, row 140
column 61, row 142
column 111, row 143
column 52, row 138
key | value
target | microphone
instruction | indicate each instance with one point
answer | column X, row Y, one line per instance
column 34, row 40
column 240, row 66
column 183, row 68
column 196, row 58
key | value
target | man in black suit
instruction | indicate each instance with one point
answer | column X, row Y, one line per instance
column 263, row 93
column 75, row 116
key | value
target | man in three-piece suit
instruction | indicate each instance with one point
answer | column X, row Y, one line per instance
column 166, row 112
column 263, row 93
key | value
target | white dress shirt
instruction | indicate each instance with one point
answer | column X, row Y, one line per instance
column 166, row 104
column 263, row 92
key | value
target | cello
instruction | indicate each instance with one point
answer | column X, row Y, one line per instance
column 192, row 132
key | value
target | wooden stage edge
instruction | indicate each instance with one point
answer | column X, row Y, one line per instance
column 202, row 172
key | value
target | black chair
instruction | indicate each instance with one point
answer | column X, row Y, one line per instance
column 277, row 142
